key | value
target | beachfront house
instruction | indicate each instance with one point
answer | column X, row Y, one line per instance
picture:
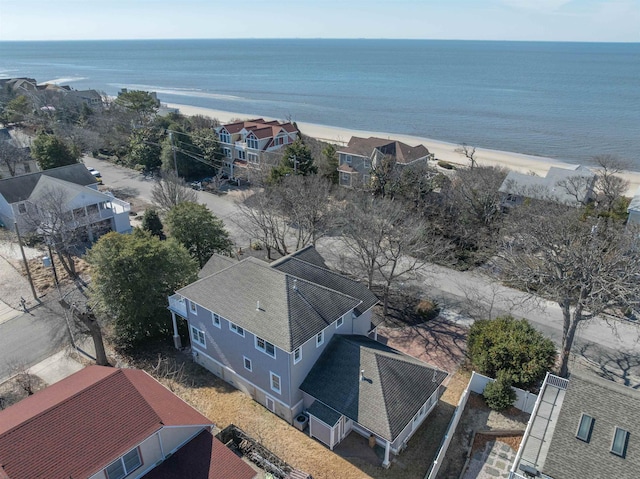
column 71, row 194
column 300, row 338
column 247, row 144
column 361, row 155
column 585, row 426
column 110, row 423
column 634, row 209
column 569, row 186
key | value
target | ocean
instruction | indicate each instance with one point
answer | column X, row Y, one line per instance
column 568, row 101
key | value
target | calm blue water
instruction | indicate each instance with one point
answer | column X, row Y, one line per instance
column 563, row 100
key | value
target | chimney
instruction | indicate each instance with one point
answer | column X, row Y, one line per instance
column 362, row 375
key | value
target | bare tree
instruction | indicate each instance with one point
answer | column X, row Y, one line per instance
column 588, row 266
column 171, row 190
column 469, row 152
column 11, row 156
column 87, row 318
column 610, row 186
column 384, row 175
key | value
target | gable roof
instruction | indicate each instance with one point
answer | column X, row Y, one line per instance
column 79, row 425
column 403, row 153
column 204, row 457
column 292, row 310
column 19, row 188
column 394, row 388
column 260, row 128
column 325, row 277
column 216, row 264
column 308, row 254
column 531, row 186
column 610, row 405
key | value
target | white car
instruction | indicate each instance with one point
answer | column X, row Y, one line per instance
column 96, row 174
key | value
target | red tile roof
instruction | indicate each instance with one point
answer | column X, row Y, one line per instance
column 81, row 424
column 205, row 457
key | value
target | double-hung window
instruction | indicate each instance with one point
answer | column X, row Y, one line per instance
column 266, row 347
column 225, row 138
column 319, row 338
column 297, row 355
column 252, row 143
column 216, row 319
column 197, row 336
column 236, row 329
column 193, row 307
column 339, row 322
column 247, row 363
column 124, row 465
column 275, row 382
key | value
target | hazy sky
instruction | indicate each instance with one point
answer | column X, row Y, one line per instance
column 554, row 20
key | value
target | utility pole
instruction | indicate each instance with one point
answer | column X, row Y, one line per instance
column 26, row 263
column 173, row 148
column 53, row 265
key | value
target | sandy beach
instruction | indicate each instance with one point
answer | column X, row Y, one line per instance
column 442, row 150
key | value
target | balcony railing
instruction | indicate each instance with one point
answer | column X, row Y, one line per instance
column 178, row 305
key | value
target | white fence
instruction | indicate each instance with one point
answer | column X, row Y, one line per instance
column 524, row 399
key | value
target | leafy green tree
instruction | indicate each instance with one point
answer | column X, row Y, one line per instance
column 142, row 103
column 331, row 163
column 198, row 230
column 499, row 394
column 207, row 146
column 132, row 276
column 144, row 150
column 17, row 109
column 296, row 159
column 52, row 152
column 513, row 347
column 151, row 222
column 189, row 159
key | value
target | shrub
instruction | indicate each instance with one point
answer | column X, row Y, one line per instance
column 511, row 345
column 427, row 310
column 445, row 165
column 498, row 394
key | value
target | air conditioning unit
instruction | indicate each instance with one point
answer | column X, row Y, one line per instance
column 301, row 421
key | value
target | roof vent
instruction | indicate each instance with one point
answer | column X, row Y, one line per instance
column 295, row 285
column 362, row 375
column 257, row 305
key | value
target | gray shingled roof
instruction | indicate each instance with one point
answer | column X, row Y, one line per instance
column 19, row 188
column 216, row 264
column 635, row 202
column 402, row 152
column 325, row 277
column 291, row 311
column 548, row 187
column 323, row 412
column 308, row 254
column 394, row 388
column 610, row 405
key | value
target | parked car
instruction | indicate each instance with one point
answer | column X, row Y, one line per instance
column 95, row 173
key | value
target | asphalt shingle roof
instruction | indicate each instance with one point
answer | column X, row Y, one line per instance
column 216, row 264
column 81, row 424
column 323, row 412
column 394, row 388
column 19, row 188
column 325, row 277
column 402, row 152
column 292, row 310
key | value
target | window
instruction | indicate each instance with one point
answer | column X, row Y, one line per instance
column 339, row 322
column 241, row 155
column 348, row 159
column 236, row 329
column 227, row 152
column 247, row 363
column 225, row 138
column 297, row 356
column 278, row 140
column 197, row 336
column 22, row 208
column 619, row 443
column 345, row 179
column 193, row 307
column 320, row 338
column 367, row 163
column 216, row 320
column 275, row 382
column 125, row 465
column 266, row 347
column 252, row 143
column 252, row 158
column 585, row 428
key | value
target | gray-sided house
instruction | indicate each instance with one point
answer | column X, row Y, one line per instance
column 245, row 143
column 586, row 426
column 74, row 190
column 360, row 155
column 569, row 186
column 276, row 331
column 634, row 209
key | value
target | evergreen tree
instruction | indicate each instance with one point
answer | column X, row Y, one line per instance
column 151, row 223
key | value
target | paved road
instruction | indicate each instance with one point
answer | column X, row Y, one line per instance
column 465, row 294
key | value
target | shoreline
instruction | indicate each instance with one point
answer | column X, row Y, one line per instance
column 442, row 150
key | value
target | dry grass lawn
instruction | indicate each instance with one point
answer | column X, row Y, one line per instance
column 225, row 405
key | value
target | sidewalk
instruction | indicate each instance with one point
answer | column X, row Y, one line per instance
column 58, row 366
